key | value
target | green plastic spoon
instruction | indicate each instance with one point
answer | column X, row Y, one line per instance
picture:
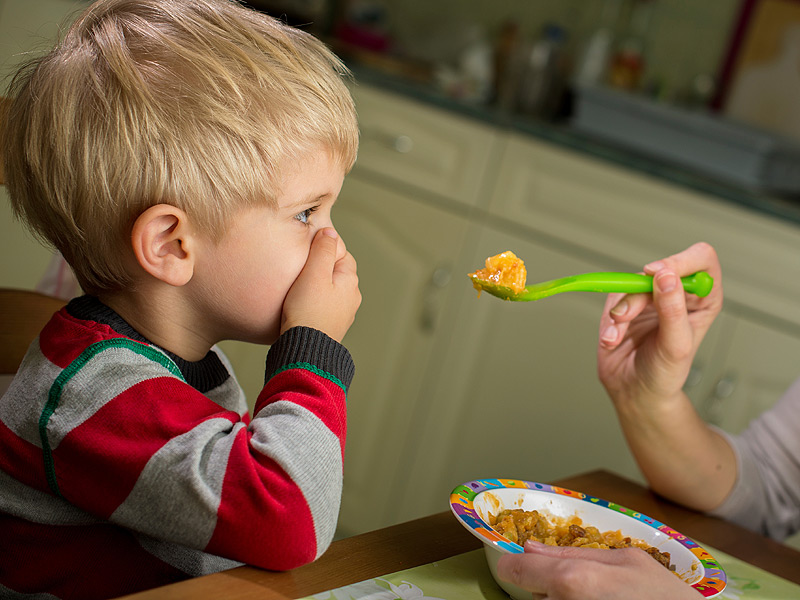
column 699, row 284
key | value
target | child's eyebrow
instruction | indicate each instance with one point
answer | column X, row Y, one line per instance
column 310, row 200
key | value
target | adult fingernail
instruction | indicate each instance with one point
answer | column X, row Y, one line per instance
column 620, row 309
column 667, row 282
column 610, row 334
column 654, row 267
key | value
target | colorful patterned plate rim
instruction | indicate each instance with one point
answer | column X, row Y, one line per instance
column 712, row 583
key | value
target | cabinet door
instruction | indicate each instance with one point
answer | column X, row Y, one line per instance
column 760, row 362
column 517, row 393
column 405, row 251
column 410, row 143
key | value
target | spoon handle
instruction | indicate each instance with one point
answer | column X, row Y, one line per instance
column 699, row 284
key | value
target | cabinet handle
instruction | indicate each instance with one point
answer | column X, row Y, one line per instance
column 694, row 377
column 725, row 387
column 438, row 281
column 723, row 390
column 403, row 144
column 400, row 143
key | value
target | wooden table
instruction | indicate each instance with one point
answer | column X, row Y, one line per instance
column 440, row 536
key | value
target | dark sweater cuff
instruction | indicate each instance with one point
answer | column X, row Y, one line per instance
column 307, row 345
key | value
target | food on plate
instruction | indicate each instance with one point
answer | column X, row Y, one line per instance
column 504, row 269
column 518, row 525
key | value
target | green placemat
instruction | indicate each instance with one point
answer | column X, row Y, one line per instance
column 467, row 576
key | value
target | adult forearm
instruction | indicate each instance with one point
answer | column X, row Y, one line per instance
column 679, row 454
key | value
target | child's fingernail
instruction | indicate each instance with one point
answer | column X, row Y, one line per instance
column 654, row 267
column 610, row 334
column 667, row 282
column 620, row 309
column 330, row 232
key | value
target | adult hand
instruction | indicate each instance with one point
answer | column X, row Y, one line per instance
column 648, row 342
column 325, row 294
column 565, row 573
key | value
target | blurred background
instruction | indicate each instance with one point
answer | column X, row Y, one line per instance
column 669, row 49
column 584, row 135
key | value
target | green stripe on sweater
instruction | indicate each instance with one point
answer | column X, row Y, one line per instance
column 54, row 396
column 314, row 369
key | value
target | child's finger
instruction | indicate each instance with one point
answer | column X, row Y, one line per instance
column 325, row 251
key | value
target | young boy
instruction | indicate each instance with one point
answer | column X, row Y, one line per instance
column 183, row 156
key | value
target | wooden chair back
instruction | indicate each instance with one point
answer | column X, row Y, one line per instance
column 4, row 104
column 23, row 314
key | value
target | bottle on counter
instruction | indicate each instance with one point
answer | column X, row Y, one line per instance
column 543, row 80
column 593, row 64
column 507, row 64
column 628, row 62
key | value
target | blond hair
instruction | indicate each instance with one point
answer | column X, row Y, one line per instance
column 193, row 103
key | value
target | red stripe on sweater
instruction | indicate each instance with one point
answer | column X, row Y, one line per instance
column 319, row 395
column 59, row 340
column 122, row 436
column 279, row 532
column 22, row 460
column 74, row 561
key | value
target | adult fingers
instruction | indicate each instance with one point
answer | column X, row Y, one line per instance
column 566, row 573
column 620, row 556
column 675, row 335
column 562, row 572
column 698, row 257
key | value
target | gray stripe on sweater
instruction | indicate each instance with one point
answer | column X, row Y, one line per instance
column 178, row 492
column 26, row 397
column 230, row 394
column 33, row 505
column 192, row 562
column 312, row 456
column 97, row 383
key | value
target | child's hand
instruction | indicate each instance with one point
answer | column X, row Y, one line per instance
column 325, row 294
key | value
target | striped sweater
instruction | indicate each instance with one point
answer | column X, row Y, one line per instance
column 124, row 467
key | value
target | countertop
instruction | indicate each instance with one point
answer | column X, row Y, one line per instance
column 562, row 134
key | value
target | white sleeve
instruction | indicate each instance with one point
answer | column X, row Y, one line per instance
column 766, row 495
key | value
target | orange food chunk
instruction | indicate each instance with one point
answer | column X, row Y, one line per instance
column 504, row 269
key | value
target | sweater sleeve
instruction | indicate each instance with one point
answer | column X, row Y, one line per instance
column 154, row 455
column 766, row 495
column 297, row 437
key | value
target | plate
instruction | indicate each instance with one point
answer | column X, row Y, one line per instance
column 473, row 501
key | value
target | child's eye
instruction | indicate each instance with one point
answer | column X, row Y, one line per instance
column 304, row 216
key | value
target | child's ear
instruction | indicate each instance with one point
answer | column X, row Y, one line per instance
column 164, row 245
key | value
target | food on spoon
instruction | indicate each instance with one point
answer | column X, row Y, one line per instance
column 518, row 526
column 504, row 269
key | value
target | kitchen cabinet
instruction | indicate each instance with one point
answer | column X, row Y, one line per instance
column 518, row 394
column 404, row 213
column 507, row 389
column 624, row 220
column 405, row 256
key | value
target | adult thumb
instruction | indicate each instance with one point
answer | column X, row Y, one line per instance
column 674, row 331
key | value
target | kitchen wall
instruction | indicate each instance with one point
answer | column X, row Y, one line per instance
column 25, row 26
column 685, row 38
